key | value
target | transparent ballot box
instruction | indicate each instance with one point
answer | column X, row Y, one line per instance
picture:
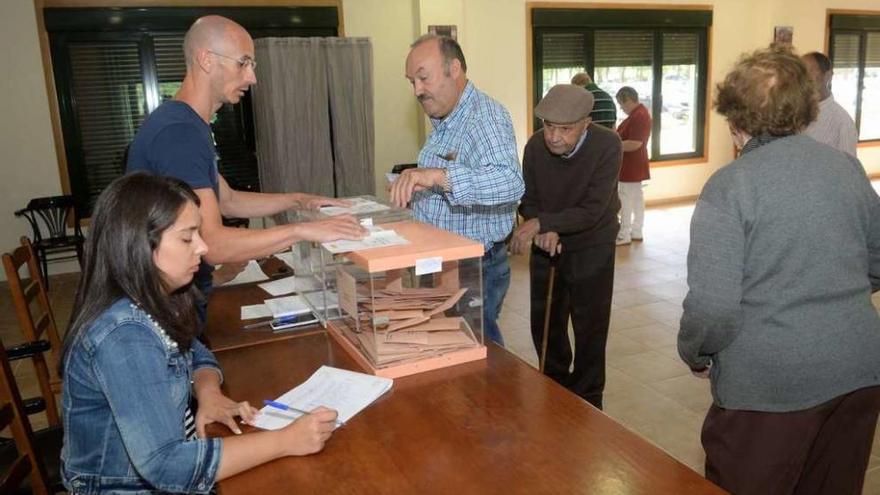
column 408, row 308
column 313, row 265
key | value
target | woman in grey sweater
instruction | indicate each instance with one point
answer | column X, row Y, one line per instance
column 784, row 256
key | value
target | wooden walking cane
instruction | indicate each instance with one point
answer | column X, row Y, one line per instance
column 551, row 283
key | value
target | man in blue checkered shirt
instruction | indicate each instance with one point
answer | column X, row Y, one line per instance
column 468, row 180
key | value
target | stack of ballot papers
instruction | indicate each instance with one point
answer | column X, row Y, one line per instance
column 400, row 324
column 287, row 306
column 290, row 284
column 345, row 391
column 255, row 311
column 299, row 304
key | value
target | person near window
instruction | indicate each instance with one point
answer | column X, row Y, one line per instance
column 176, row 140
column 833, row 126
column 604, row 110
column 634, row 131
column 468, row 180
column 131, row 361
column 570, row 210
column 784, row 255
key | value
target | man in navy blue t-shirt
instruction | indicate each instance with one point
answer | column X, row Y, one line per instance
column 176, row 140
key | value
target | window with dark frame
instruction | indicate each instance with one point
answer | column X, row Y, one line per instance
column 854, row 50
column 661, row 54
column 113, row 66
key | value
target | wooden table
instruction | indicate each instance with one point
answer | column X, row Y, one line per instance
column 493, row 426
column 223, row 330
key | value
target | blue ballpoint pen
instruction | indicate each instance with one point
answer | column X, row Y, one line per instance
column 285, row 407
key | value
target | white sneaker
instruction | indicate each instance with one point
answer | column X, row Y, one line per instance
column 638, row 237
column 623, row 240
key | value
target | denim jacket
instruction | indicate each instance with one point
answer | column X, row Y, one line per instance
column 124, row 399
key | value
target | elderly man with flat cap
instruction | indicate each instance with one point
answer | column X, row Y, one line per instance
column 570, row 209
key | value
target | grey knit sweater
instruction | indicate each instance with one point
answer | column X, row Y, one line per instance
column 784, row 255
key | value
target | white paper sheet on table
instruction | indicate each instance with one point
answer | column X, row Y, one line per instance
column 358, row 206
column 345, row 391
column 290, row 284
column 251, row 273
column 296, row 305
column 378, row 238
column 255, row 311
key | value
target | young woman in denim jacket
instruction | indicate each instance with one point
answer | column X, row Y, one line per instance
column 131, row 362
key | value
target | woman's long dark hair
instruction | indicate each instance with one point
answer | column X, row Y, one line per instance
column 127, row 225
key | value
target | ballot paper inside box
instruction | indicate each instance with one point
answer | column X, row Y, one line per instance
column 410, row 308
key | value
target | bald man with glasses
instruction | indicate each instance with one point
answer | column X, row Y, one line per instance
column 176, row 140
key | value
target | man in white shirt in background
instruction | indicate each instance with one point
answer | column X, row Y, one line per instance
column 833, row 126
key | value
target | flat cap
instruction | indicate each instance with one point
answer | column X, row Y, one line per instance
column 564, row 104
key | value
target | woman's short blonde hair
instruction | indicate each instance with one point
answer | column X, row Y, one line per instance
column 768, row 91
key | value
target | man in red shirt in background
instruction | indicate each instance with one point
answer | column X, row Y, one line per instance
column 634, row 132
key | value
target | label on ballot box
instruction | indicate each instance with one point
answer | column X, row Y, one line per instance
column 425, row 266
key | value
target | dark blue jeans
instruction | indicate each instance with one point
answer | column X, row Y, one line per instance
column 496, row 280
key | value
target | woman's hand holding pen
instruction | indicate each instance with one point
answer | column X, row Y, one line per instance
column 308, row 434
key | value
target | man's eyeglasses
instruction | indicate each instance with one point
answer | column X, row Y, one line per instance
column 243, row 62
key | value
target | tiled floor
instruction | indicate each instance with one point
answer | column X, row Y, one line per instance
column 648, row 388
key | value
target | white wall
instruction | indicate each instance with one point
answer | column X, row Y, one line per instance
column 390, row 25
column 28, row 163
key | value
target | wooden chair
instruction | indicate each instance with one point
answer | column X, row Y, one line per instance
column 37, row 325
column 32, row 455
column 15, row 474
column 48, row 218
